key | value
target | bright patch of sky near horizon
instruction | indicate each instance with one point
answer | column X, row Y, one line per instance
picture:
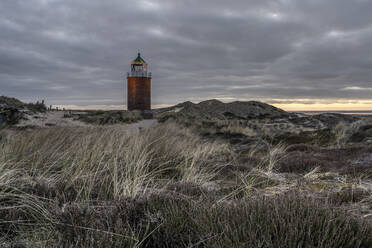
column 295, row 54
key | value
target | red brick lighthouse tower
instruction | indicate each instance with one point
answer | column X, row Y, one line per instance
column 139, row 87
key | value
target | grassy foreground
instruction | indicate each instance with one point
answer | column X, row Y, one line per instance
column 168, row 187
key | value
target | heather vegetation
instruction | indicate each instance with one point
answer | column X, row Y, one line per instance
column 210, row 182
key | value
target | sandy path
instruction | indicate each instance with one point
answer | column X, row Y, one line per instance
column 50, row 119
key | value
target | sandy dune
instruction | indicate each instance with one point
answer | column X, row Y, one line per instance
column 56, row 118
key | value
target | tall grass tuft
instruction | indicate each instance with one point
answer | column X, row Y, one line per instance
column 59, row 166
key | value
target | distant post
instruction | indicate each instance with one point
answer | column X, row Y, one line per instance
column 1, row 120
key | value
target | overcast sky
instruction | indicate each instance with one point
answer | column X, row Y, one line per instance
column 304, row 53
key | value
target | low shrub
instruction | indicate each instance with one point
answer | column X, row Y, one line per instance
column 288, row 220
column 300, row 162
column 321, row 138
column 348, row 195
column 110, row 117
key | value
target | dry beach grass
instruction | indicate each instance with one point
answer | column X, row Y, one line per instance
column 167, row 186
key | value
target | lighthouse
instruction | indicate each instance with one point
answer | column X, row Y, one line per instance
column 139, row 87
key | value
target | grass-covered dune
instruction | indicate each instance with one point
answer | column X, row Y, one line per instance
column 167, row 186
column 12, row 110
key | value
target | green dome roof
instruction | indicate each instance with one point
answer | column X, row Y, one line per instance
column 139, row 60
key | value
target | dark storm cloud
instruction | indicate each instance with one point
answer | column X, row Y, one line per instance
column 77, row 52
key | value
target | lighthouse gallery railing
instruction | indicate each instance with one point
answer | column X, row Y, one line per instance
column 139, row 74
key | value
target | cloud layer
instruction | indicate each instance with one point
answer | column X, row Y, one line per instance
column 77, row 52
